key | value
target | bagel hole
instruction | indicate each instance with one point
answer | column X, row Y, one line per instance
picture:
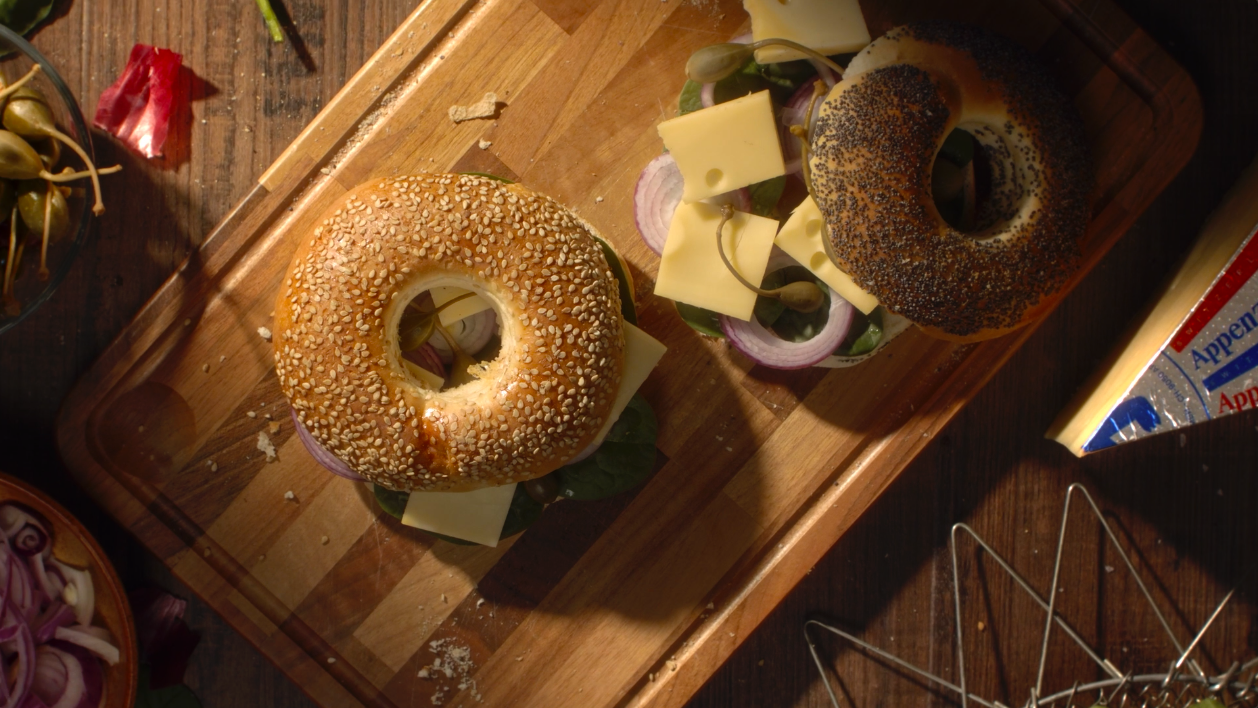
column 960, row 181
column 469, row 320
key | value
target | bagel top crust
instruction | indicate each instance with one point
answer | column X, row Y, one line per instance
column 527, row 412
column 875, row 144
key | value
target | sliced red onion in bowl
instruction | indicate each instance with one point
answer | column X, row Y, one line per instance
column 655, row 198
column 472, row 333
column 321, row 454
column 764, row 347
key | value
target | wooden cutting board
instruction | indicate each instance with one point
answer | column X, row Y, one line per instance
column 631, row 601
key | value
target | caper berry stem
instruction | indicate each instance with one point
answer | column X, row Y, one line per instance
column 813, row 55
column 13, row 87
column 7, row 290
column 425, row 324
column 99, row 207
column 43, row 247
column 458, row 369
column 803, row 296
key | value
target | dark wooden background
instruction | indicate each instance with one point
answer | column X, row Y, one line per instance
column 1187, row 502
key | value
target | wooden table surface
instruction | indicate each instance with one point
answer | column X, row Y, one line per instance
column 1185, row 501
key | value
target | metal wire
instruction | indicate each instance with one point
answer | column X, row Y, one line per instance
column 1183, row 684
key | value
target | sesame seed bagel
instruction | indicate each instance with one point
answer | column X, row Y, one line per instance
column 528, row 411
column 874, row 147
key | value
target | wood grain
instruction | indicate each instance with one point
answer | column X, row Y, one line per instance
column 587, row 146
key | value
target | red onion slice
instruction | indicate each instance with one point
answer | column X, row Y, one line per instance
column 767, row 349
column 90, row 642
column 655, row 198
column 321, row 455
column 740, row 199
column 707, row 95
column 793, row 114
column 427, row 358
column 472, row 333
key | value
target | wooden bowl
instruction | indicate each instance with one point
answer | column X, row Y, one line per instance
column 72, row 544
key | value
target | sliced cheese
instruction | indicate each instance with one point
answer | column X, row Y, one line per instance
column 691, row 270
column 430, row 381
column 801, row 238
column 1193, row 355
column 463, row 308
column 725, row 147
column 475, row 516
column 642, row 353
column 828, row 26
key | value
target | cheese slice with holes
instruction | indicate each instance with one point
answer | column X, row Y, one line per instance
column 801, row 238
column 463, row 308
column 725, row 147
column 642, row 353
column 475, row 516
column 828, row 26
column 691, row 270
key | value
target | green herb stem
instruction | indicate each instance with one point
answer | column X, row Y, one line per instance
column 272, row 22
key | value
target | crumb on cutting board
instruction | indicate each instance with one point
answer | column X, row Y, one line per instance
column 484, row 108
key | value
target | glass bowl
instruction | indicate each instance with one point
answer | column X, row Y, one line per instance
column 29, row 290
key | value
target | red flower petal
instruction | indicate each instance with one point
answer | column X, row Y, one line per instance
column 137, row 107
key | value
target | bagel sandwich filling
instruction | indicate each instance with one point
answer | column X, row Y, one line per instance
column 939, row 179
column 467, row 346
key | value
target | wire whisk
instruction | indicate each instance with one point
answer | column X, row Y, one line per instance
column 1183, row 685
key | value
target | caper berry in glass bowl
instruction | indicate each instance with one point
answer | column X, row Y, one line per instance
column 30, row 273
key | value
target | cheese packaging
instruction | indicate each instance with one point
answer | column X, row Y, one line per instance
column 1193, row 356
column 691, row 270
column 801, row 238
column 725, row 147
column 828, row 26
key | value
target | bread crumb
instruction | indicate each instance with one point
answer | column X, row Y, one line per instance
column 261, row 557
column 711, row 605
column 141, row 429
column 212, row 465
column 484, row 108
column 187, row 323
column 331, row 659
column 273, row 428
column 205, row 368
column 251, row 414
column 289, row 496
column 324, row 540
column 443, row 597
column 599, row 200
column 423, row 673
column 222, row 358
column 479, row 602
column 267, row 448
column 484, row 144
column 982, row 626
column 206, row 553
column 264, row 333
column 760, row 663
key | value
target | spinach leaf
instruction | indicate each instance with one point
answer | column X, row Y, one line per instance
column 391, row 502
column 689, row 100
column 958, row 148
column 865, row 334
column 622, row 280
column 700, row 320
column 766, row 195
column 21, row 16
column 624, row 460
